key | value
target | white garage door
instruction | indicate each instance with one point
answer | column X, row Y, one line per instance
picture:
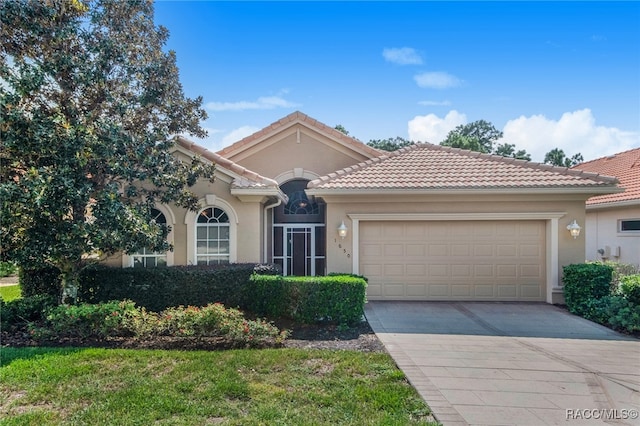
column 454, row 260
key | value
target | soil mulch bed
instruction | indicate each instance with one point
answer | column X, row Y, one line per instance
column 357, row 338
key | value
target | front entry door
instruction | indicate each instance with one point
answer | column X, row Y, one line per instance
column 299, row 248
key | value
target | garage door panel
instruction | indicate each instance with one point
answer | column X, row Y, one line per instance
column 507, row 271
column 477, row 260
column 371, row 250
column 530, row 271
column 396, row 249
column 483, row 271
column 509, row 291
column 418, row 250
column 507, row 250
column 483, row 250
column 461, row 271
column 419, row 270
column 484, row 291
column 530, row 250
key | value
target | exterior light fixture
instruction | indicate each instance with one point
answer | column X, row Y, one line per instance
column 342, row 230
column 574, row 229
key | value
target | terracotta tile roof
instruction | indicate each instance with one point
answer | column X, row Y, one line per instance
column 626, row 167
column 246, row 179
column 430, row 167
column 290, row 119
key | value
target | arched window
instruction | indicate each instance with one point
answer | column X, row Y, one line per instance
column 146, row 258
column 212, row 237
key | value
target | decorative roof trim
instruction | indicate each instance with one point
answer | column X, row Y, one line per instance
column 592, row 190
column 227, row 164
column 473, row 154
column 290, row 120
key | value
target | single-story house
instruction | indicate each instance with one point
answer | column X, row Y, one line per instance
column 423, row 223
column 613, row 220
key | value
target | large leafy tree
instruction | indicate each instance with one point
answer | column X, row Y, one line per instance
column 89, row 101
column 482, row 136
column 476, row 136
column 557, row 157
column 390, row 144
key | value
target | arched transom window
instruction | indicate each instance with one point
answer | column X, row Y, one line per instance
column 146, row 258
column 212, row 237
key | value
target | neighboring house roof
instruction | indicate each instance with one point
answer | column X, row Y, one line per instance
column 626, row 167
column 298, row 117
column 434, row 167
column 243, row 177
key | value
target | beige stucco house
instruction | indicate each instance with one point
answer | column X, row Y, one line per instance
column 613, row 220
column 423, row 223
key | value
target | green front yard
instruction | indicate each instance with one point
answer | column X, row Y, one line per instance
column 44, row 386
column 10, row 292
column 285, row 386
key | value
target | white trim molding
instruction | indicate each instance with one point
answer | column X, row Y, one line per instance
column 190, row 220
column 296, row 173
column 552, row 237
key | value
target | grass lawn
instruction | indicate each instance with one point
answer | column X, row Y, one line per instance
column 10, row 292
column 46, row 386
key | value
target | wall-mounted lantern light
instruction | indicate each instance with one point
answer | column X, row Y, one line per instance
column 342, row 230
column 574, row 229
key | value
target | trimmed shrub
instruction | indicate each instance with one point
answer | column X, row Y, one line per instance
column 630, row 288
column 583, row 283
column 336, row 299
column 100, row 320
column 159, row 288
column 43, row 280
column 124, row 319
column 616, row 312
column 620, row 270
column 18, row 313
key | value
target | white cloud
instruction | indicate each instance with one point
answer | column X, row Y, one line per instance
column 263, row 102
column 435, row 103
column 237, row 134
column 402, row 56
column 431, row 128
column 574, row 132
column 437, row 80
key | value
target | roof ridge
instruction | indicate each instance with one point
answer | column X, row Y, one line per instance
column 362, row 165
column 529, row 164
column 608, row 156
column 303, row 118
column 225, row 162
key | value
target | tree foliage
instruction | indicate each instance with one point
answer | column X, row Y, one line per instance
column 476, row 136
column 341, row 129
column 390, row 144
column 557, row 157
column 482, row 136
column 89, row 102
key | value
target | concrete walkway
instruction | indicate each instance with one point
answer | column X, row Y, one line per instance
column 511, row 363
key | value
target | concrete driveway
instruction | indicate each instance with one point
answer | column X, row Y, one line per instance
column 511, row 363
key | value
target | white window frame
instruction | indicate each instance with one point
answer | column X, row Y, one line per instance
column 128, row 260
column 191, row 217
column 213, row 222
column 629, row 232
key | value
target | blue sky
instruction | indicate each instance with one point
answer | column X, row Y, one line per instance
column 549, row 74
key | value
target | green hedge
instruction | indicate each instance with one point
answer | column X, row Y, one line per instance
column 630, row 288
column 159, row 288
column 585, row 283
column 337, row 299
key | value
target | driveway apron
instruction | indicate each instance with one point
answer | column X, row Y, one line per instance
column 511, row 363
